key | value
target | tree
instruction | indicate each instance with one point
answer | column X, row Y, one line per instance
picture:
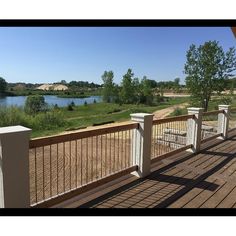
column 177, row 85
column 35, row 104
column 63, row 82
column 3, row 85
column 146, row 91
column 206, row 69
column 108, row 86
column 127, row 88
column 136, row 91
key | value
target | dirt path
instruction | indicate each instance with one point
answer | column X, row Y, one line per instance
column 167, row 111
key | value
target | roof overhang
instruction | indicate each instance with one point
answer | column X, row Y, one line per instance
column 234, row 31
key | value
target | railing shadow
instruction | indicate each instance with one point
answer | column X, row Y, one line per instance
column 193, row 183
column 158, row 177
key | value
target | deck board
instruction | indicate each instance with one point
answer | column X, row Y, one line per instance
column 205, row 180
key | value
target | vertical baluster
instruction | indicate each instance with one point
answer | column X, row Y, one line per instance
column 43, row 175
column 110, row 153
column 130, row 148
column 50, row 170
column 101, row 156
column 57, row 171
column 114, row 156
column 70, row 162
column 122, row 149
column 118, row 151
column 96, row 157
column 125, row 148
column 87, row 169
column 105, row 171
column 76, row 163
column 91, row 158
column 64, row 164
column 36, row 175
column 81, row 162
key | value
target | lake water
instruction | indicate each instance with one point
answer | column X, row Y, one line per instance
column 49, row 99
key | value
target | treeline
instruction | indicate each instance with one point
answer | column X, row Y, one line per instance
column 71, row 85
column 75, row 89
column 133, row 90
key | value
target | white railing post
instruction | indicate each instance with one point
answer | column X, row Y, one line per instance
column 223, row 121
column 14, row 167
column 141, row 146
column 194, row 129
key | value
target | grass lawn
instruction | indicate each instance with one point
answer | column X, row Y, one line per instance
column 83, row 116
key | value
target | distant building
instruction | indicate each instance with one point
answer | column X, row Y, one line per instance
column 55, row 87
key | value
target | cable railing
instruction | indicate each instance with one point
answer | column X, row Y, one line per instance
column 209, row 128
column 169, row 135
column 60, row 164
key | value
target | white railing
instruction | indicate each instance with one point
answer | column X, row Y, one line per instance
column 44, row 171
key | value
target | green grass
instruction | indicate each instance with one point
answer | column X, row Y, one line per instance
column 61, row 119
column 84, row 116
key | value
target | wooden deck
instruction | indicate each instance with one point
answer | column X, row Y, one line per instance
column 205, row 180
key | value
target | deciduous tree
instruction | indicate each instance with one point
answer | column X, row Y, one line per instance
column 206, row 69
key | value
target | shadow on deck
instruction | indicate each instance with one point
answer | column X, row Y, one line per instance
column 206, row 180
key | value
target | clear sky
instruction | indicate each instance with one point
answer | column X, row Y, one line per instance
column 51, row 54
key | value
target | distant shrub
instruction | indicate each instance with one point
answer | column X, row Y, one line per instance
column 41, row 121
column 114, row 111
column 48, row 120
column 56, row 107
column 178, row 112
column 138, row 110
column 35, row 104
column 70, row 107
column 13, row 116
column 226, row 100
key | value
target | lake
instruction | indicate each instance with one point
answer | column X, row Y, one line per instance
column 49, row 99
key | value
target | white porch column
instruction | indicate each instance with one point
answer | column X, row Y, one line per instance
column 14, row 167
column 141, row 146
column 223, row 121
column 194, row 128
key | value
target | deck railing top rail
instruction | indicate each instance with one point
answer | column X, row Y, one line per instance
column 215, row 112
column 174, row 118
column 39, row 142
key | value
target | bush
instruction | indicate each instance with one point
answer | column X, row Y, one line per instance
column 13, row 116
column 56, row 107
column 42, row 121
column 35, row 104
column 48, row 120
column 226, row 100
column 178, row 112
column 114, row 111
column 70, row 107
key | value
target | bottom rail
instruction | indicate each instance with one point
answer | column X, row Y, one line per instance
column 210, row 138
column 161, row 157
column 67, row 195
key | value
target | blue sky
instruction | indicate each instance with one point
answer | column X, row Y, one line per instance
column 51, row 54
